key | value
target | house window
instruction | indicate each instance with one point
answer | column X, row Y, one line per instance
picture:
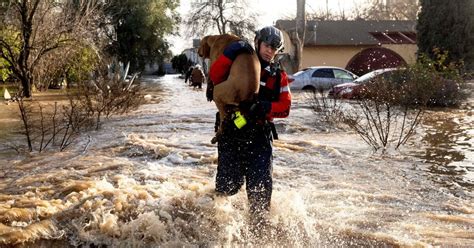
column 323, row 73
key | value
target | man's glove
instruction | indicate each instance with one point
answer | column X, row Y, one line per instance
column 237, row 47
column 256, row 110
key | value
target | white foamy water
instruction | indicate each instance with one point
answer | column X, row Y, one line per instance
column 147, row 179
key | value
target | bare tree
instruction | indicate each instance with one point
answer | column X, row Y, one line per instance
column 58, row 126
column 370, row 10
column 52, row 67
column 33, row 29
column 388, row 10
column 221, row 16
column 323, row 15
column 380, row 124
column 106, row 95
column 389, row 109
column 385, row 115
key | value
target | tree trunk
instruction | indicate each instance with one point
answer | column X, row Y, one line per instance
column 26, row 12
column 24, row 118
column 221, row 21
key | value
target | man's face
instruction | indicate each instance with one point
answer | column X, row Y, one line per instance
column 266, row 52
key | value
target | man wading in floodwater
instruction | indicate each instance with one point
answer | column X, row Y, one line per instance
column 245, row 151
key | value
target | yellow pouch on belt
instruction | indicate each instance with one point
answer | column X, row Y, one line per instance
column 239, row 120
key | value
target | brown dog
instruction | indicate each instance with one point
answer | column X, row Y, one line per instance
column 244, row 78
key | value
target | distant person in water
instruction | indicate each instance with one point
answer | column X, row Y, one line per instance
column 187, row 75
column 197, row 77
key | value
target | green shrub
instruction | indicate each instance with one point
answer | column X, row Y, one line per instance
column 82, row 64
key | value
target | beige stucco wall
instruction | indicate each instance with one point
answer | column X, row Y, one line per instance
column 329, row 55
column 341, row 55
column 408, row 52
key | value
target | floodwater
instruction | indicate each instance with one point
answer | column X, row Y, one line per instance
column 147, row 179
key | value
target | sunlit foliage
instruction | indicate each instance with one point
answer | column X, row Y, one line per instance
column 138, row 28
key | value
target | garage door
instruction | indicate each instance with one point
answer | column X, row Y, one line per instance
column 374, row 58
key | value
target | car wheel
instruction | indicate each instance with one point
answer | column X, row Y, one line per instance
column 309, row 89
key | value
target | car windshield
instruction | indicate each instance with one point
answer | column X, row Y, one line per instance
column 371, row 74
column 300, row 72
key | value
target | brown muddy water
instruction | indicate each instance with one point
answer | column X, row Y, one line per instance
column 147, row 180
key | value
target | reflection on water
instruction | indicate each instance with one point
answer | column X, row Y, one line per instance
column 9, row 128
column 449, row 145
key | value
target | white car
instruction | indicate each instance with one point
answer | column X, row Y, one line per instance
column 319, row 78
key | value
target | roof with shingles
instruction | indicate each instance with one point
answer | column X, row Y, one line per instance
column 356, row 32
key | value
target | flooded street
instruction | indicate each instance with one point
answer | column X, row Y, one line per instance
column 147, row 179
column 448, row 146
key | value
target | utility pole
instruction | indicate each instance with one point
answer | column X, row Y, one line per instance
column 327, row 9
column 388, row 6
column 299, row 35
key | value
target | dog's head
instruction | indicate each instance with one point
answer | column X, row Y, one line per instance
column 205, row 45
column 213, row 45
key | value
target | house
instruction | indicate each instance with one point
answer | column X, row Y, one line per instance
column 359, row 46
column 193, row 56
